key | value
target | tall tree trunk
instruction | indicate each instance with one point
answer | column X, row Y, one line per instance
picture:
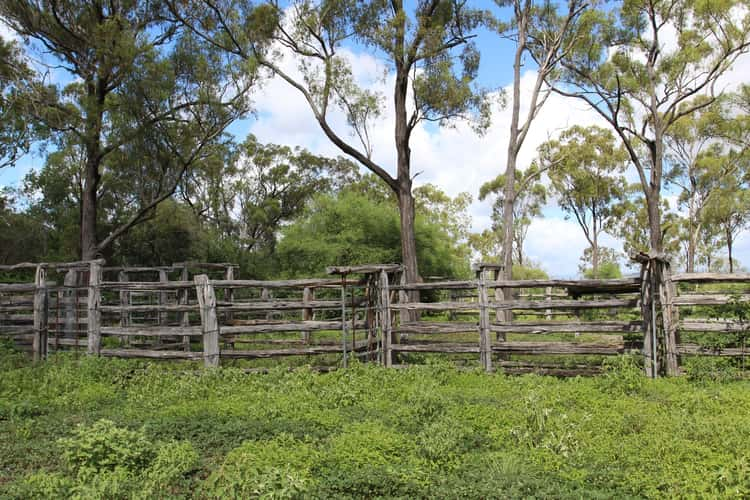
column 96, row 92
column 693, row 228
column 595, row 258
column 403, row 178
column 89, row 210
column 509, row 193
column 729, row 248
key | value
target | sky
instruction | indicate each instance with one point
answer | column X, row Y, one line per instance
column 455, row 158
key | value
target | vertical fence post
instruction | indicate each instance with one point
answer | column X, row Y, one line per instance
column 485, row 347
column 41, row 313
column 185, row 300
column 649, row 321
column 122, row 277
column 70, row 290
column 669, row 318
column 94, row 313
column 404, row 315
column 548, row 298
column 501, row 316
column 229, row 294
column 343, row 318
column 308, row 314
column 209, row 320
column 385, row 319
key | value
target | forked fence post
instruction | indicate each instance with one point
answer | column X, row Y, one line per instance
column 209, row 320
column 657, row 296
column 41, row 314
column 94, row 318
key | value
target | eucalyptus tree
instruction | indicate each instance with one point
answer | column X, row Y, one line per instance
column 138, row 97
column 427, row 47
column 647, row 64
column 249, row 194
column 546, row 32
column 530, row 196
column 586, row 167
column 16, row 134
column 729, row 209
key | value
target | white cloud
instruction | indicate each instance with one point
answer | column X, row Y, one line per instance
column 455, row 159
column 6, row 33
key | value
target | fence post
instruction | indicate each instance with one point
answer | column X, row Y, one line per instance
column 669, row 316
column 122, row 277
column 229, row 294
column 343, row 319
column 548, row 298
column 501, row 316
column 184, row 300
column 485, row 347
column 69, row 294
column 385, row 319
column 209, row 320
column 649, row 362
column 41, row 312
column 404, row 315
column 94, row 313
column 308, row 314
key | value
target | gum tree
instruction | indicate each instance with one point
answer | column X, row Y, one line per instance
column 585, row 168
column 546, row 33
column 136, row 99
column 426, row 46
column 647, row 64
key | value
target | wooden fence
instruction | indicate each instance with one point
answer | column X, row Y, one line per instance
column 194, row 311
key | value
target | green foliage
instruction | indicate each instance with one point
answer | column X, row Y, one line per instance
column 276, row 468
column 151, row 430
column 351, row 228
column 104, row 446
column 530, row 197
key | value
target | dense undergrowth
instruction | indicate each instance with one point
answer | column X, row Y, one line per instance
column 103, row 428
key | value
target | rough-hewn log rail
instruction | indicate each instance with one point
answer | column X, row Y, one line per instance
column 364, row 269
column 518, row 348
column 704, row 325
column 425, row 327
column 711, row 277
column 83, row 264
column 708, row 299
column 694, row 349
column 152, row 331
column 518, row 304
column 295, row 326
column 570, row 327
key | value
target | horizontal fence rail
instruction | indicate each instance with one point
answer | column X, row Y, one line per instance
column 193, row 311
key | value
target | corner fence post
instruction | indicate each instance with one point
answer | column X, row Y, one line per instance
column 649, row 321
column 94, row 313
column 41, row 313
column 209, row 320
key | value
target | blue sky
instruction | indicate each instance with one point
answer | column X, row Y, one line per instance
column 454, row 159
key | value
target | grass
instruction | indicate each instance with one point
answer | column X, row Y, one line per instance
column 106, row 428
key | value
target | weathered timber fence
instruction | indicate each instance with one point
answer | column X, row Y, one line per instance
column 194, row 311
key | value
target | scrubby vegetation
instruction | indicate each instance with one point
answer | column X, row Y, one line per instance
column 102, row 428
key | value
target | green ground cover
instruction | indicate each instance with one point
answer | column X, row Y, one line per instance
column 103, row 428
